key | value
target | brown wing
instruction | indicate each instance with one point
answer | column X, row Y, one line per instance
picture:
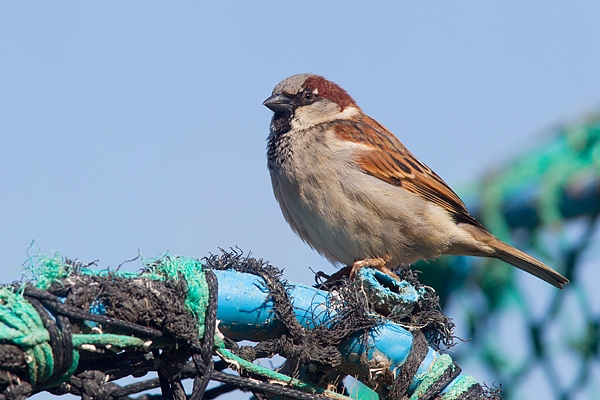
column 389, row 160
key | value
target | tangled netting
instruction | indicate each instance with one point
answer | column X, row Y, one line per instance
column 546, row 201
column 78, row 330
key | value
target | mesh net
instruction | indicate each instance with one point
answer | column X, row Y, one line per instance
column 534, row 339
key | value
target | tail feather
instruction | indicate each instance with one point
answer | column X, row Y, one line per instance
column 527, row 263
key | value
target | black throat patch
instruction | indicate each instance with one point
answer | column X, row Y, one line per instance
column 278, row 147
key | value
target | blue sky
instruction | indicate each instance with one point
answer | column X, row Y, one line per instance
column 139, row 125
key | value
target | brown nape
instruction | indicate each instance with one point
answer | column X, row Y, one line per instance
column 329, row 90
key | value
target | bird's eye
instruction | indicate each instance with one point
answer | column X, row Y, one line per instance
column 308, row 97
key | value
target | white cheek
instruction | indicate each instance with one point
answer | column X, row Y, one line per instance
column 309, row 116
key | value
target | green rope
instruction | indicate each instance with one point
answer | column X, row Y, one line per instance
column 432, row 375
column 534, row 186
column 460, row 387
column 239, row 364
column 45, row 270
column 109, row 340
column 21, row 325
column 168, row 267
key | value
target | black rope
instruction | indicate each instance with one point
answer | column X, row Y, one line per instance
column 66, row 342
column 230, row 382
column 476, row 392
column 203, row 361
column 137, row 387
column 165, row 387
column 417, row 354
column 133, row 365
column 88, row 383
column 56, row 342
column 52, row 302
column 253, row 385
column 178, row 390
column 316, row 346
column 440, row 384
column 18, row 392
column 91, row 383
column 106, row 390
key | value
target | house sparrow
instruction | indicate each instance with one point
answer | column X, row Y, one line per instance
column 351, row 190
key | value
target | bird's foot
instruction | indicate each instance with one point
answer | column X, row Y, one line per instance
column 351, row 271
column 375, row 263
column 344, row 272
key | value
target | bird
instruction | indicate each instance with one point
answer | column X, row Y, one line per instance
column 353, row 192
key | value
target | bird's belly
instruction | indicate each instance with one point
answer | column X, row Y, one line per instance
column 345, row 222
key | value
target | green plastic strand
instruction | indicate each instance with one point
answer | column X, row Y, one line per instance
column 108, row 339
column 169, row 267
column 460, row 387
column 433, row 374
column 21, row 325
column 240, row 363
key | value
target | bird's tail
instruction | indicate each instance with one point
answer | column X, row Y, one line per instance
column 527, row 263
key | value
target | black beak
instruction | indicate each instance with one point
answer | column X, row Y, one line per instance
column 279, row 103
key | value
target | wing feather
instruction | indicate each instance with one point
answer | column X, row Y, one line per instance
column 386, row 158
